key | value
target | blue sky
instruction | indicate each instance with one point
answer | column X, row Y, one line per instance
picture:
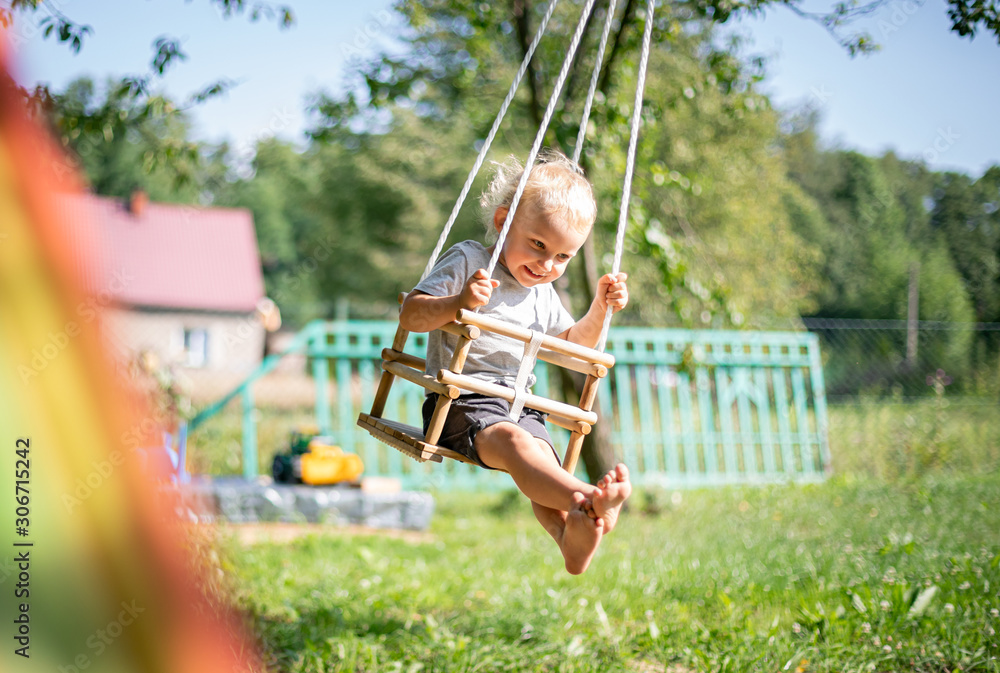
column 928, row 94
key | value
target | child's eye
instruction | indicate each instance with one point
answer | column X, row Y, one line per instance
column 538, row 244
column 563, row 256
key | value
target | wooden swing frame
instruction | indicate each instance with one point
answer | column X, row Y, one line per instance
column 450, row 382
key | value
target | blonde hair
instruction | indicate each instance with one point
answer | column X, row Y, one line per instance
column 556, row 186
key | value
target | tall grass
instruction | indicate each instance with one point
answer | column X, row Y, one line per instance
column 894, row 440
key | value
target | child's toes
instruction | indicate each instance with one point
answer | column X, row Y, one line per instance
column 621, row 472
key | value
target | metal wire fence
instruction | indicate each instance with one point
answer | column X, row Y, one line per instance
column 902, row 360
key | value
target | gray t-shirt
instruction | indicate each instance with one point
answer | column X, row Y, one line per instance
column 492, row 357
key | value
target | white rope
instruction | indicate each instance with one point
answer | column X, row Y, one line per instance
column 571, row 52
column 582, row 133
column 630, row 163
column 523, row 372
column 489, row 139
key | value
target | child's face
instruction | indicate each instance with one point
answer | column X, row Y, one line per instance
column 538, row 247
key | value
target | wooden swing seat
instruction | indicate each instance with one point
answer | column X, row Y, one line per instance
column 450, row 383
column 408, row 439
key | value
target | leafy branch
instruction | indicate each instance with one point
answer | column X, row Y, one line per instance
column 966, row 15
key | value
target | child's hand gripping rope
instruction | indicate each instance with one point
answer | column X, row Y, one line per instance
column 478, row 290
column 611, row 291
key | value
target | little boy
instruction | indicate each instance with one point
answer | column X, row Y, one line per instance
column 553, row 219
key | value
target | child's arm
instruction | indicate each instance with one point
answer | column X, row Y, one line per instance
column 611, row 291
column 425, row 313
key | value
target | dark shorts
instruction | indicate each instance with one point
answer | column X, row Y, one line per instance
column 470, row 414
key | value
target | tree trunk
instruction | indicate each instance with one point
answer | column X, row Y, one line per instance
column 521, row 10
column 605, row 78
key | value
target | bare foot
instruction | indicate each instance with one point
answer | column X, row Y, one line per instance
column 612, row 490
column 580, row 537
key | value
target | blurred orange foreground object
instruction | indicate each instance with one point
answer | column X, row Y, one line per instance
column 117, row 581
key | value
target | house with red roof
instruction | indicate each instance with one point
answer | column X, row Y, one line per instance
column 181, row 282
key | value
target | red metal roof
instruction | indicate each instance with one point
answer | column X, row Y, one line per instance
column 167, row 255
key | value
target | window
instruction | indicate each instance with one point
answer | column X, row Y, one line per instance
column 195, row 347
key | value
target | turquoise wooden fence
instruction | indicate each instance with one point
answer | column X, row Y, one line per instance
column 686, row 408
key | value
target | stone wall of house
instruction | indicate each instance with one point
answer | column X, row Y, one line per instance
column 219, row 344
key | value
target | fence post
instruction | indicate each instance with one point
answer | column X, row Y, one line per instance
column 913, row 315
column 249, row 433
column 819, row 404
column 321, row 366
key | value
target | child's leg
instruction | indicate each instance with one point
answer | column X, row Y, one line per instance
column 532, row 466
column 538, row 475
column 577, row 535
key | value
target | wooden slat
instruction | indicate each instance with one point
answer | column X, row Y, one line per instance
column 440, row 415
column 626, row 413
column 404, row 358
column 753, row 466
column 321, row 373
column 568, row 362
column 668, row 428
column 730, row 458
column 460, row 355
column 819, row 403
column 710, row 447
column 572, row 426
column 789, row 465
column 385, row 382
column 587, row 397
column 381, row 430
column 421, row 379
column 533, row 401
column 467, row 331
column 692, row 468
column 412, row 439
column 649, row 451
column 345, row 406
column 399, row 341
column 386, row 437
column 524, row 335
column 802, row 420
column 764, row 421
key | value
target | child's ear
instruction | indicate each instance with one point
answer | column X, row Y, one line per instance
column 499, row 217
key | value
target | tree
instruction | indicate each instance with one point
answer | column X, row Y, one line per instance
column 108, row 133
column 967, row 214
column 874, row 225
column 84, row 125
column 878, row 219
column 967, row 17
column 278, row 190
column 384, row 197
column 707, row 151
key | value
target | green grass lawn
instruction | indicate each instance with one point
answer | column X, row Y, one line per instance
column 892, row 564
column 849, row 575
